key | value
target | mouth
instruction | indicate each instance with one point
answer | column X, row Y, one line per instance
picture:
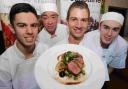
column 108, row 38
column 29, row 39
column 78, row 31
column 50, row 27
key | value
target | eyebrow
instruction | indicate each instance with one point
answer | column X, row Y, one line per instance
column 110, row 27
column 20, row 23
column 26, row 23
column 76, row 17
column 50, row 15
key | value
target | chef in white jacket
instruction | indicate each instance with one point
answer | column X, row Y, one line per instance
column 52, row 31
column 18, row 61
column 107, row 43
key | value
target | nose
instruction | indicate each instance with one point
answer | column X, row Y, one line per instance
column 50, row 21
column 29, row 30
column 109, row 32
column 78, row 24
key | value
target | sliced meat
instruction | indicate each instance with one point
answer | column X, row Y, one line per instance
column 79, row 61
column 76, row 65
column 73, row 67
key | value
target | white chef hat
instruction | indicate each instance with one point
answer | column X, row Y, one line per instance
column 113, row 16
column 48, row 7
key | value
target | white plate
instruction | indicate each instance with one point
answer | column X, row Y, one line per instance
column 45, row 68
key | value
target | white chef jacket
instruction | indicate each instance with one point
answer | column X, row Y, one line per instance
column 61, row 33
column 16, row 72
column 114, row 56
column 64, row 41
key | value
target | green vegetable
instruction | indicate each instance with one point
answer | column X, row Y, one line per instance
column 68, row 56
column 68, row 73
column 83, row 72
column 75, row 78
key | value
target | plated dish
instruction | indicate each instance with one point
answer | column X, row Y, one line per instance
column 69, row 66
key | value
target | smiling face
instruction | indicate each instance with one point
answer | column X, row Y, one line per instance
column 109, row 30
column 77, row 22
column 25, row 28
column 49, row 20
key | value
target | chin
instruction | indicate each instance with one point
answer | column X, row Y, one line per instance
column 30, row 44
column 107, row 42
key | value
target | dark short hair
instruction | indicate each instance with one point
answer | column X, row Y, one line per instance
column 19, row 8
column 78, row 4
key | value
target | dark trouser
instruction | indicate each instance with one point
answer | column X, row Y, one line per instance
column 104, row 86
